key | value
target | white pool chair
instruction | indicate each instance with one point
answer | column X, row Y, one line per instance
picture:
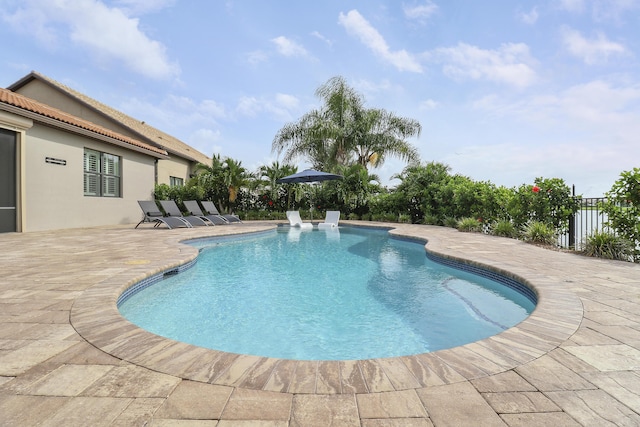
column 331, row 219
column 296, row 221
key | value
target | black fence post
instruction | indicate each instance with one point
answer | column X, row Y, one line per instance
column 572, row 223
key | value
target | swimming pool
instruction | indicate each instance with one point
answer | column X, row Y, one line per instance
column 347, row 293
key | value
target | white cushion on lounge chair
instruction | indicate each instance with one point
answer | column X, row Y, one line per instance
column 296, row 221
column 331, row 219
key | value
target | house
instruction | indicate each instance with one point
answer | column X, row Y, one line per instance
column 58, row 170
column 173, row 170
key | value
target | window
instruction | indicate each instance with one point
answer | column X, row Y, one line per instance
column 175, row 181
column 101, row 174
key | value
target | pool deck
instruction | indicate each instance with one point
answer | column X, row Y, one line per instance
column 68, row 358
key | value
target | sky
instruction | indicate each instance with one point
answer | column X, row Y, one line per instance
column 505, row 90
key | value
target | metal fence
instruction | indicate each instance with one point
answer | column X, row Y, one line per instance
column 588, row 219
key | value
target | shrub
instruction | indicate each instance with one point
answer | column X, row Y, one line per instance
column 431, row 220
column 451, row 222
column 604, row 244
column 404, row 218
column 469, row 224
column 353, row 216
column 623, row 208
column 503, row 228
column 539, row 232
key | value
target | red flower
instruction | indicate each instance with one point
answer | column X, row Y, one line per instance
column 270, row 202
column 535, row 189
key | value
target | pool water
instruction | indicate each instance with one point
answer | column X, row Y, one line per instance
column 347, row 293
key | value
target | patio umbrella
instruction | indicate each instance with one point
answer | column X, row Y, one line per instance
column 308, row 176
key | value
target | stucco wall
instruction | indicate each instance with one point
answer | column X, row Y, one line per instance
column 54, row 194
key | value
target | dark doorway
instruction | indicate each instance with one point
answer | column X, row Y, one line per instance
column 8, row 143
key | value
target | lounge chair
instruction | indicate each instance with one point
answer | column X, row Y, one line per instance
column 210, row 209
column 152, row 214
column 173, row 210
column 194, row 209
column 331, row 219
column 296, row 221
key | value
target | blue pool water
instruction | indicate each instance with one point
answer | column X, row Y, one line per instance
column 347, row 293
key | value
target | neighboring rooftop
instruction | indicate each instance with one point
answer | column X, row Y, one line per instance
column 147, row 133
column 18, row 104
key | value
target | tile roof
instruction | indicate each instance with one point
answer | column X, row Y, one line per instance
column 41, row 111
column 147, row 133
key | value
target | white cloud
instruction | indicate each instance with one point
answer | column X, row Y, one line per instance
column 573, row 5
column 420, row 12
column 591, row 51
column 287, row 47
column 205, row 141
column 319, row 36
column 531, row 17
column 105, row 32
column 357, row 26
column 429, row 104
column 138, row 7
column 279, row 108
column 510, row 64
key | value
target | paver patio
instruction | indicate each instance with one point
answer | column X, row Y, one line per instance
column 68, row 358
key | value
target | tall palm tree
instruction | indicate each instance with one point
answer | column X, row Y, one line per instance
column 234, row 177
column 343, row 131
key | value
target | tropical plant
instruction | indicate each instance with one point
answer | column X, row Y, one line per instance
column 605, row 244
column 343, row 132
column 549, row 201
column 469, row 224
column 211, row 179
column 623, row 208
column 503, row 228
column 540, row 233
column 234, row 177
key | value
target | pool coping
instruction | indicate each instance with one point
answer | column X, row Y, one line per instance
column 556, row 317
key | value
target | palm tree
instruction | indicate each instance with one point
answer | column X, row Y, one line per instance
column 210, row 177
column 343, row 131
column 234, row 177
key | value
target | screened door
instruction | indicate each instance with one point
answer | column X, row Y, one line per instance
column 7, row 181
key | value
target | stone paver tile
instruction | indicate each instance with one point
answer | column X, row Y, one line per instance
column 624, row 386
column 194, row 400
column 595, row 408
column 88, row 411
column 608, row 357
column 281, row 376
column 467, row 363
column 422, row 373
column 374, row 376
column 252, row 423
column 623, row 334
column 572, row 362
column 516, row 402
column 504, row 382
column 184, row 423
column 398, row 422
column 259, row 374
column 444, row 371
column 547, row 374
column 237, row 370
column 324, row 410
column 133, row 381
column 303, row 379
column 68, row 380
column 393, row 404
column 352, row 379
column 545, row 419
column 28, row 410
column 50, row 332
column 399, row 374
column 19, row 361
column 83, row 353
column 139, row 412
column 328, row 378
column 458, row 404
column 587, row 336
column 247, row 404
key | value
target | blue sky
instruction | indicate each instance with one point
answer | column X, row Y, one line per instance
column 505, row 90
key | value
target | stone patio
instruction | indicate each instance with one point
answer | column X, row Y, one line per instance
column 68, row 358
